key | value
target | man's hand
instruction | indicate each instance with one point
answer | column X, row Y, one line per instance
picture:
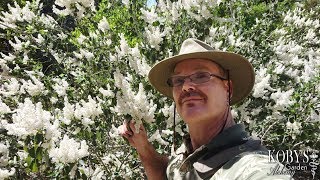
column 136, row 140
column 154, row 164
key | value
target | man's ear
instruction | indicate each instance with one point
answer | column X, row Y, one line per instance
column 227, row 87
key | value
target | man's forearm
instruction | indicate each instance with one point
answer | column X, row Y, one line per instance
column 154, row 163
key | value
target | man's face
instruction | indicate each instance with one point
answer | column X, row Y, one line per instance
column 200, row 102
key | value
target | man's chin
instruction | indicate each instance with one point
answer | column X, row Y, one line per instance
column 193, row 113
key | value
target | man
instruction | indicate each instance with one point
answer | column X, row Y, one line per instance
column 203, row 84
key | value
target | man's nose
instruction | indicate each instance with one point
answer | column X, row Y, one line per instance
column 188, row 85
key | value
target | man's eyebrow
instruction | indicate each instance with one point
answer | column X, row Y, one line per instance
column 199, row 68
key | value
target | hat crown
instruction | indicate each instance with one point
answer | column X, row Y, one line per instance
column 193, row 45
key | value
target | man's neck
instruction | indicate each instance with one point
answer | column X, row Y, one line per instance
column 203, row 133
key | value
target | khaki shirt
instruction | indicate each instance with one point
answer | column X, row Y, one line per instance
column 230, row 155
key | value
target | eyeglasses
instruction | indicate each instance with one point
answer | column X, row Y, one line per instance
column 197, row 78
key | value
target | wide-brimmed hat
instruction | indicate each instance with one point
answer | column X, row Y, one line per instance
column 240, row 70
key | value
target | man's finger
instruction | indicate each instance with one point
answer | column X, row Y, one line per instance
column 124, row 131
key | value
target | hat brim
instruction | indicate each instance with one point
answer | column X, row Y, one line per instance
column 240, row 71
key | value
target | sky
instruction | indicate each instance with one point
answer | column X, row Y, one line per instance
column 151, row 2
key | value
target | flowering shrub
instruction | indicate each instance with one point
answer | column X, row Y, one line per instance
column 74, row 71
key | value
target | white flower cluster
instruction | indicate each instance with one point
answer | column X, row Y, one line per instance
column 115, row 161
column 157, row 137
column 103, row 24
column 154, row 36
column 262, row 84
column 282, row 99
column 168, row 112
column 294, row 128
column 136, row 61
column 16, row 14
column 95, row 173
column 19, row 45
column 80, row 5
column 4, row 60
column 108, row 92
column 171, row 10
column 10, row 88
column 295, row 18
column 295, row 55
column 85, row 111
column 69, row 150
column 198, row 9
column 34, row 87
column 4, row 151
column 4, row 109
column 60, row 86
column 4, row 173
column 28, row 119
column 84, row 53
column 149, row 16
column 136, row 105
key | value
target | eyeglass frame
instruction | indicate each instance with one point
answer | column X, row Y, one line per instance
column 169, row 81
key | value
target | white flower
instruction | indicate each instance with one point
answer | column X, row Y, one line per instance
column 136, row 105
column 311, row 35
column 69, row 5
column 218, row 44
column 138, row 63
column 175, row 13
column 108, row 92
column 295, row 127
column 98, row 174
column 69, row 151
column 154, row 36
column 125, row 2
column 114, row 132
column 18, row 45
column 231, row 39
column 7, row 58
column 282, row 99
column 124, row 47
column 103, row 24
column 81, row 38
column 8, row 20
column 234, row 113
column 68, row 112
column 50, row 22
column 314, row 117
column 157, row 137
column 4, row 173
column 60, row 86
column 4, row 151
column 86, row 111
column 53, row 131
column 149, row 16
column 10, row 88
column 87, row 54
column 53, row 100
column 34, row 87
column 4, row 109
column 39, row 39
column 167, row 132
column 205, row 12
column 80, row 11
column 279, row 68
column 262, row 83
column 28, row 119
column 22, row 155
